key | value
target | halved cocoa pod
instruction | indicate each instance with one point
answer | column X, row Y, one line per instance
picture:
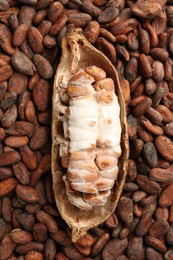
column 78, row 53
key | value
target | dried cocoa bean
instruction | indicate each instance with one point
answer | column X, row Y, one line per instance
column 47, row 220
column 22, row 63
column 44, row 68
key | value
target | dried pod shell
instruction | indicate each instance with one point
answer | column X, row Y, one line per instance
column 78, row 53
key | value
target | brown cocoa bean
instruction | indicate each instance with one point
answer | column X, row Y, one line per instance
column 168, row 100
column 144, row 41
column 146, row 10
column 132, row 126
column 21, row 173
column 72, row 253
column 6, row 72
column 166, row 149
column 3, row 89
column 107, row 48
column 26, row 49
column 159, row 227
column 47, row 220
column 166, row 113
column 5, row 173
column 55, row 11
column 39, row 138
column 153, row 129
column 135, row 247
column 20, row 34
column 35, row 39
column 168, row 129
column 154, row 116
column 92, row 31
column 158, row 71
column 100, row 243
column 145, row 66
column 28, row 157
column 62, row 238
column 27, row 193
column 20, row 128
column 6, row 39
column 142, row 107
column 150, row 154
column 44, row 68
column 16, row 141
column 153, row 254
column 6, row 248
column 22, row 63
column 50, row 249
column 156, row 244
column 21, row 236
column 151, row 187
column 61, row 22
column 41, row 95
column 144, row 224
column 39, row 232
column 40, row 16
column 26, row 15
column 161, row 175
column 49, row 41
column 166, row 198
column 18, row 82
column 150, row 87
column 125, row 210
column 114, row 248
column 23, row 249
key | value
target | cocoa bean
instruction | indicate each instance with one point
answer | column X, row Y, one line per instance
column 166, row 149
column 44, row 68
column 50, row 249
column 6, row 248
column 146, row 10
column 28, row 157
column 160, row 227
column 27, row 193
column 151, row 187
column 153, row 254
column 22, row 63
column 47, row 220
column 125, row 210
column 40, row 232
column 61, row 238
column 20, row 34
column 41, row 95
column 114, row 248
column 20, row 236
column 23, row 249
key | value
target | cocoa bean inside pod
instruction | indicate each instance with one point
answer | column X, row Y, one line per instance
column 79, row 55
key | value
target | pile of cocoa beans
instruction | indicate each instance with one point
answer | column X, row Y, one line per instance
column 137, row 36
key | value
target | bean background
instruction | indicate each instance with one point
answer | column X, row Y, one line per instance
column 137, row 36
